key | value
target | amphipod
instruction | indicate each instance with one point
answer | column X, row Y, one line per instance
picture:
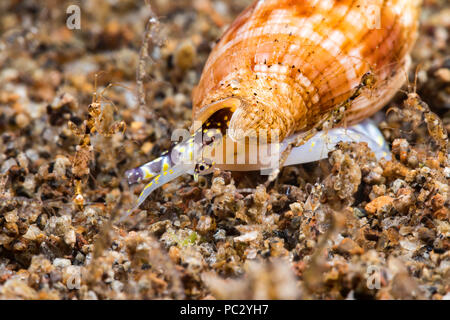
column 295, row 75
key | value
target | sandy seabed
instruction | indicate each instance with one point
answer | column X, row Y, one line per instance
column 348, row 227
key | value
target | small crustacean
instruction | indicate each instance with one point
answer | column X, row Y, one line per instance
column 289, row 75
column 100, row 119
column 417, row 111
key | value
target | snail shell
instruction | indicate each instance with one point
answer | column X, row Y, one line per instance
column 283, row 64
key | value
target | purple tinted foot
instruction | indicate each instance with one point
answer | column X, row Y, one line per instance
column 134, row 175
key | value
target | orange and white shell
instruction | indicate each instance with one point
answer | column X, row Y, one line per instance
column 284, row 64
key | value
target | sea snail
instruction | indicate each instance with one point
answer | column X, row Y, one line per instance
column 302, row 73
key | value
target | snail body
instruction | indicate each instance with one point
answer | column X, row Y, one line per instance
column 294, row 66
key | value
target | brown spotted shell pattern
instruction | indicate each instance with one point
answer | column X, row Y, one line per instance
column 283, row 64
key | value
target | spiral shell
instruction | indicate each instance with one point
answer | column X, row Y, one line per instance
column 283, row 64
column 291, row 66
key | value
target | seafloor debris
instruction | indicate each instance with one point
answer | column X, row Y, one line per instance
column 348, row 227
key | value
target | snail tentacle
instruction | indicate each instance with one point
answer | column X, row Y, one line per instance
column 162, row 179
column 159, row 181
